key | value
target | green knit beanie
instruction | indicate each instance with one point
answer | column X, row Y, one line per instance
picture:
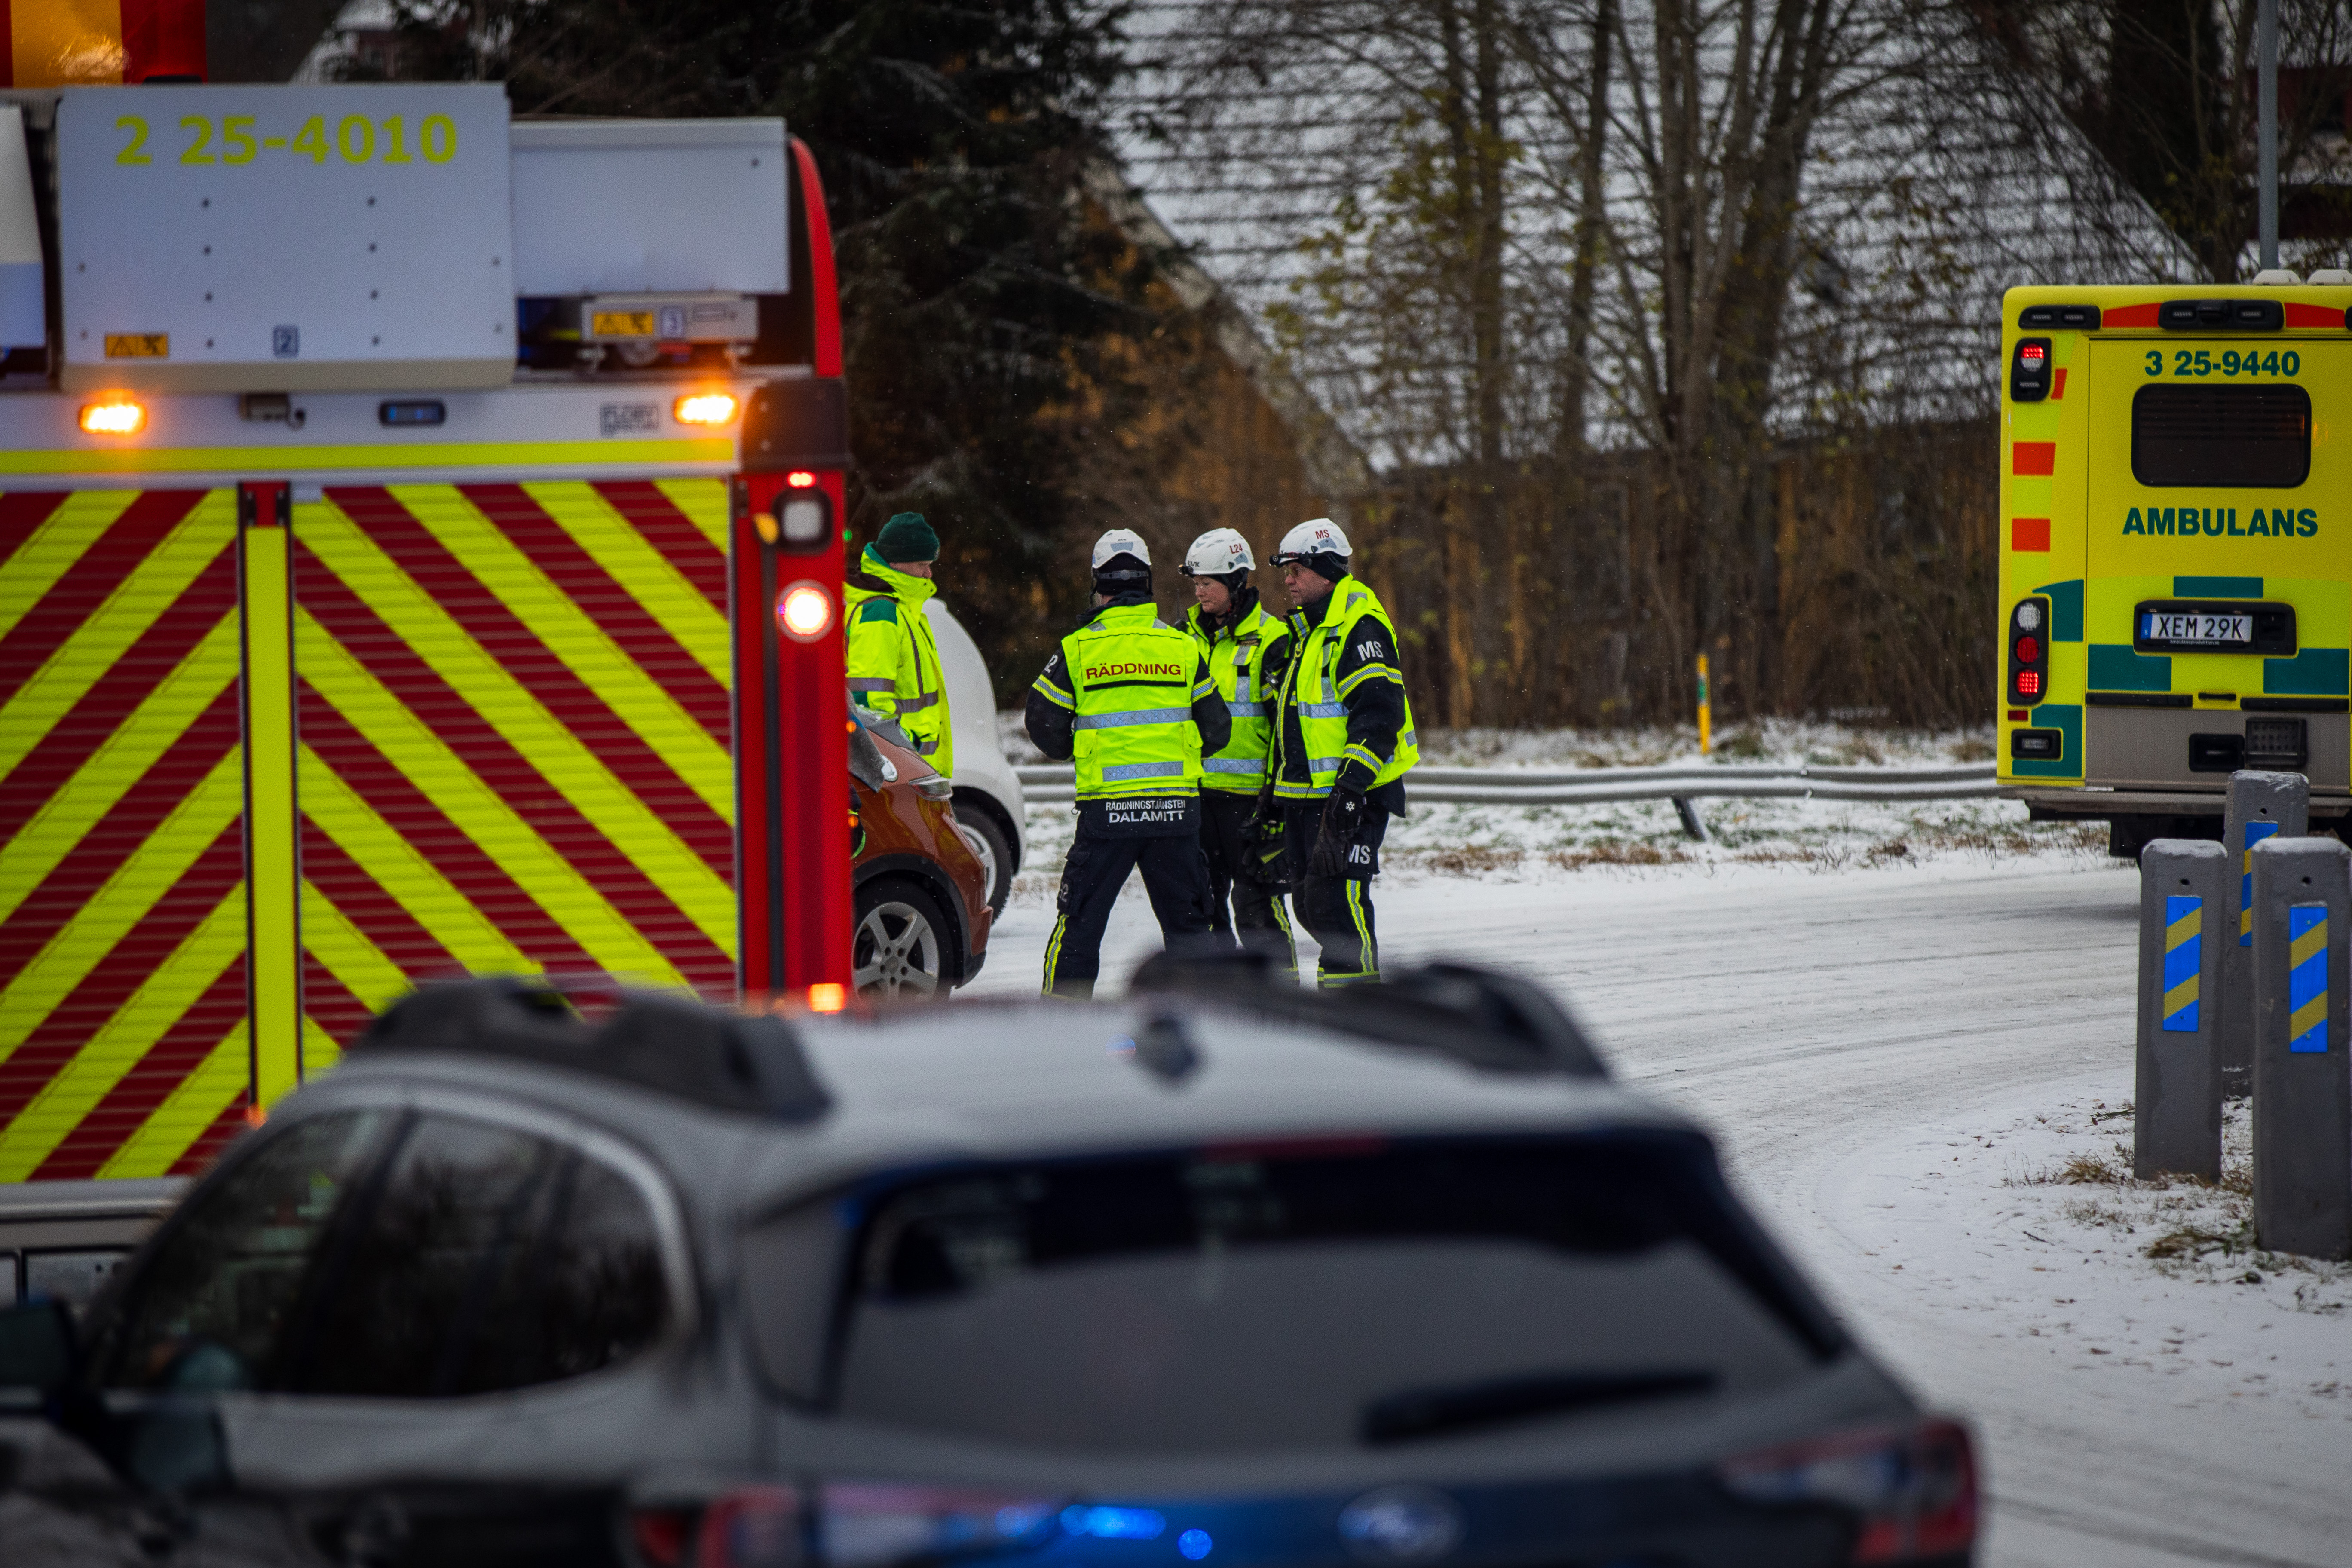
column 906, row 537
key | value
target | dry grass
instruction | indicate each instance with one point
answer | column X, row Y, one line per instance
column 2089, row 1170
column 1463, row 859
column 1616, row 852
column 1973, row 749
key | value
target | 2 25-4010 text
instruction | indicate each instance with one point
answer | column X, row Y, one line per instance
column 356, row 139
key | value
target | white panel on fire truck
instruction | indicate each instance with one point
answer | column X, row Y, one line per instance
column 638, row 206
column 286, row 238
column 23, row 319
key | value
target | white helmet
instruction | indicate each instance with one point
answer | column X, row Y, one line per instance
column 1316, row 536
column 1121, row 541
column 1217, row 553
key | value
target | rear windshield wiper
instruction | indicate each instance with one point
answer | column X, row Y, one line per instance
column 1417, row 1413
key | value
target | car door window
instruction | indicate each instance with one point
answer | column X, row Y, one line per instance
column 490, row 1261
column 420, row 1269
column 588, row 1294
column 209, row 1308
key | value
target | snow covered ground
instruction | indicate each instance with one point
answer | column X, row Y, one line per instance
column 1919, row 1066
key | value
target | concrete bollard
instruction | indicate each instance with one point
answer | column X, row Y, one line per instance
column 2303, row 1092
column 2177, row 1125
column 2261, row 805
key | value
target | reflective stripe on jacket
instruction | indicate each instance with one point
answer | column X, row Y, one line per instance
column 1237, row 663
column 1317, row 694
column 1132, row 680
column 894, row 663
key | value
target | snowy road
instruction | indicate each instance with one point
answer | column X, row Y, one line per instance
column 1842, row 1035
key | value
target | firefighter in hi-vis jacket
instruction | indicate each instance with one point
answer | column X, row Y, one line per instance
column 1128, row 698
column 1343, row 744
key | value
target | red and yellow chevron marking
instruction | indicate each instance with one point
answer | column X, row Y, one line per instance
column 124, row 1046
column 514, row 733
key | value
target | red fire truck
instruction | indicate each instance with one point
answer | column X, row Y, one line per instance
column 419, row 552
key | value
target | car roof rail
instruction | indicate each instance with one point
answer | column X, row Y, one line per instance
column 1489, row 1020
column 751, row 1064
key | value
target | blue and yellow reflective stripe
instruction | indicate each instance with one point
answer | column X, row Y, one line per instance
column 2255, row 833
column 1322, row 711
column 1053, row 693
column 1203, row 687
column 2183, row 950
column 2306, row 978
column 1364, row 754
column 1128, row 770
column 1253, row 766
column 1370, row 672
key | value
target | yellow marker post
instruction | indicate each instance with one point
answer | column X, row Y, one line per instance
column 1705, row 718
column 273, row 878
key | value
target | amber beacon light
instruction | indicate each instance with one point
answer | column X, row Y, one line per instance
column 115, row 416
column 707, row 408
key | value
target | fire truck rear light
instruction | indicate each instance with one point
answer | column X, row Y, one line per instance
column 707, row 408
column 2029, row 683
column 2028, row 650
column 829, row 997
column 412, row 412
column 800, row 479
column 2018, row 715
column 115, row 416
column 803, row 521
column 805, row 611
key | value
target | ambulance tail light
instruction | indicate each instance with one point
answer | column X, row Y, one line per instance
column 2029, row 652
column 113, row 416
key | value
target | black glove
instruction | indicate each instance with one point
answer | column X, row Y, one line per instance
column 1265, row 854
column 1343, row 814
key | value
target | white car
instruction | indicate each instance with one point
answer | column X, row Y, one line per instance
column 988, row 805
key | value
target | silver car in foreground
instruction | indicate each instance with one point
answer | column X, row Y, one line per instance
column 1223, row 1272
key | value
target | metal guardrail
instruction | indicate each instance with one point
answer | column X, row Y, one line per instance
column 1048, row 784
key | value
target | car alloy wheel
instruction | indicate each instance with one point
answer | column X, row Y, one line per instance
column 899, row 950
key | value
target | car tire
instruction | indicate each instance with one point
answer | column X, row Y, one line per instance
column 994, row 849
column 899, row 949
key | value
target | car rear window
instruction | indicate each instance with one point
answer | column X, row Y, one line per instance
column 1334, row 1295
column 2234, row 438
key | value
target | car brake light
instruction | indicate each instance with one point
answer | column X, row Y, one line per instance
column 2028, row 650
column 2029, row 683
column 1914, row 1492
column 661, row 1534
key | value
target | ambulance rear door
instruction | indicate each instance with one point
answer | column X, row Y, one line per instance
column 2215, row 607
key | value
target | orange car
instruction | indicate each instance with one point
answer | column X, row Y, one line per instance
column 922, row 897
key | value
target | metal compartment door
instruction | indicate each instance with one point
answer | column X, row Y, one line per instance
column 123, row 1042
column 516, row 742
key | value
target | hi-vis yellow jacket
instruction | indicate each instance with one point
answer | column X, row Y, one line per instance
column 1246, row 662
column 893, row 664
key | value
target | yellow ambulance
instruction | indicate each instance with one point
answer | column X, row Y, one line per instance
column 2175, row 540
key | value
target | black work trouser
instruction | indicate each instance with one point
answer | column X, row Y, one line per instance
column 1257, row 916
column 1174, row 875
column 1336, row 910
